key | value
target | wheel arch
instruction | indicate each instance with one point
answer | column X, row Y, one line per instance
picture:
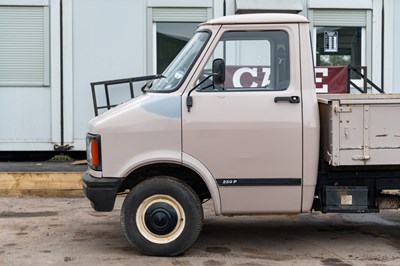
column 202, row 183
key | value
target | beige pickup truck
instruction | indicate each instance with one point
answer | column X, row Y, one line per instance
column 235, row 118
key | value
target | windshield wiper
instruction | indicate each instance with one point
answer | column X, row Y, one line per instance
column 151, row 79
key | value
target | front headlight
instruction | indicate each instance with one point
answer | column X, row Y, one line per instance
column 93, row 151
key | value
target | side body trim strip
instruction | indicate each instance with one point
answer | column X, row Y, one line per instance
column 259, row 181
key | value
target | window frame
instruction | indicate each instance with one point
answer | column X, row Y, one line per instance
column 45, row 74
column 363, row 20
column 254, row 89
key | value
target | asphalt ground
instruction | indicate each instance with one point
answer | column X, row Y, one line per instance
column 67, row 231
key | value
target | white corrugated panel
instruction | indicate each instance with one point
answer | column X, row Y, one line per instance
column 179, row 14
column 350, row 18
column 22, row 46
column 273, row 5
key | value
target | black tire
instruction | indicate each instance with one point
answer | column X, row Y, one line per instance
column 162, row 216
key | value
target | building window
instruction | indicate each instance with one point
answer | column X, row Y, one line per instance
column 171, row 38
column 348, row 42
column 351, row 44
column 24, row 46
column 168, row 30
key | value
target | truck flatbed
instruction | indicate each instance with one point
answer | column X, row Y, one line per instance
column 360, row 129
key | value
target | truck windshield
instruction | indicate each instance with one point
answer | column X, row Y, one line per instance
column 177, row 70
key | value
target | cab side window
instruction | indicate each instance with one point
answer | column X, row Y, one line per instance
column 255, row 61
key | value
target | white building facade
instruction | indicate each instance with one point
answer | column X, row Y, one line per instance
column 51, row 50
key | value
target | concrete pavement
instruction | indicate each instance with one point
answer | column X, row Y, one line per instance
column 66, row 231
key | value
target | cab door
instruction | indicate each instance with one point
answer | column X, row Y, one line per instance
column 248, row 131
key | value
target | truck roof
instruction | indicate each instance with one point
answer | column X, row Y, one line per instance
column 258, row 19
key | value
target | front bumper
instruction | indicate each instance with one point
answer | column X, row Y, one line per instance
column 101, row 191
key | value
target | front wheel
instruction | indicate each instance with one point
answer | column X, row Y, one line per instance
column 162, row 216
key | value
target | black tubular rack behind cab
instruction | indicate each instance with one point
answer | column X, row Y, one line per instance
column 107, row 83
column 361, row 72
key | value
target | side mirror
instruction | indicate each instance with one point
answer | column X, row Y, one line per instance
column 218, row 70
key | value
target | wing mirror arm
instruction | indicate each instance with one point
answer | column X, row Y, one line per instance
column 189, row 99
column 218, row 74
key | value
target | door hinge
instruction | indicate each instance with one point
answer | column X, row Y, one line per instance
column 343, row 109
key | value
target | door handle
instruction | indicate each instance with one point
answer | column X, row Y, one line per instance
column 290, row 99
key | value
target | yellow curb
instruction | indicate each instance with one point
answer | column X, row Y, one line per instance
column 41, row 183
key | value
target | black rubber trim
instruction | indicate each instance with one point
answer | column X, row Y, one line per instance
column 101, row 191
column 259, row 182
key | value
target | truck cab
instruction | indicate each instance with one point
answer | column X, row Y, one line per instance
column 234, row 118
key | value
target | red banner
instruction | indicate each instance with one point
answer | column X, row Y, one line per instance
column 328, row 79
column 247, row 76
column 331, row 79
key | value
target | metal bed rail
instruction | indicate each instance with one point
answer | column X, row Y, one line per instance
column 107, row 85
